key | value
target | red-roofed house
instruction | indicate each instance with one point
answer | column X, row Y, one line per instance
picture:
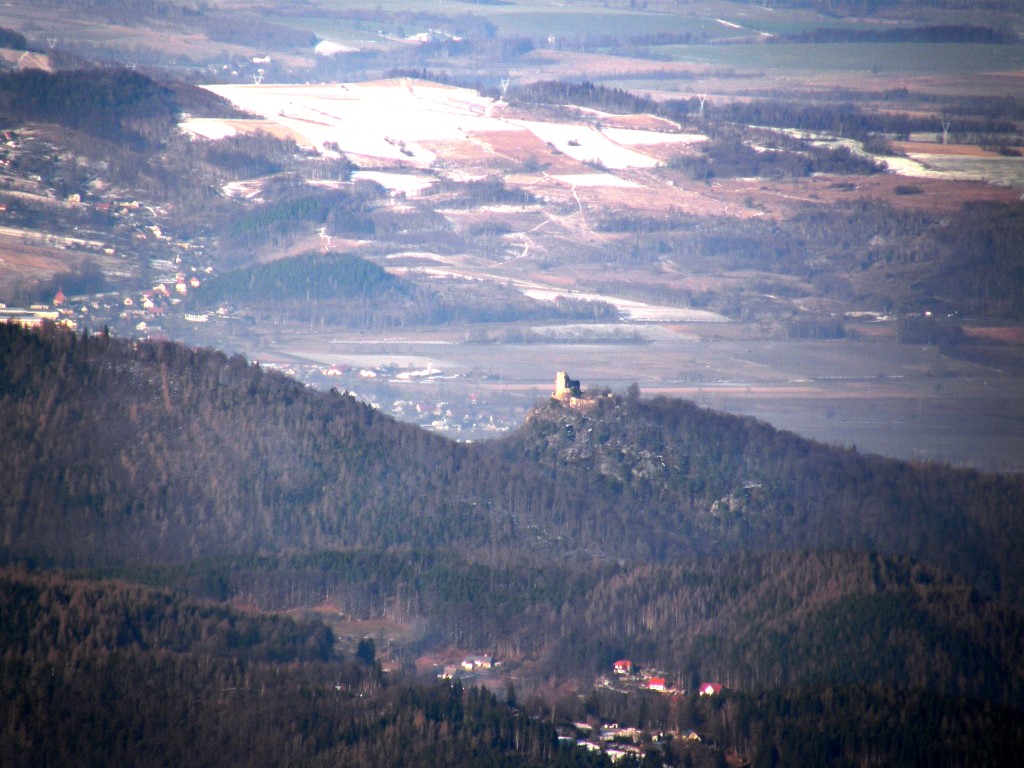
column 710, row 689
column 657, row 684
column 623, row 667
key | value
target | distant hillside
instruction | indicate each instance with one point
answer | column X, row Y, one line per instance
column 327, row 288
column 310, row 277
column 152, row 453
column 103, row 102
column 341, row 289
column 9, row 38
column 109, row 103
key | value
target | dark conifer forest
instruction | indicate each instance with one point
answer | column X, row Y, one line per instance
column 830, row 591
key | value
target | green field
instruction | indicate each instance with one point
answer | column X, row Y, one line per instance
column 939, row 59
column 541, row 19
column 569, row 21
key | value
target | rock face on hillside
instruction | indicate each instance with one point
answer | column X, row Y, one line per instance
column 698, row 481
column 572, row 433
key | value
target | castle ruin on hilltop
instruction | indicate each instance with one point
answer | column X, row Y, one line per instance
column 565, row 387
column 568, row 392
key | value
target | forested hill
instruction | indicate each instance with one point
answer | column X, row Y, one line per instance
column 107, row 102
column 151, row 452
column 722, row 483
column 120, row 452
column 111, row 674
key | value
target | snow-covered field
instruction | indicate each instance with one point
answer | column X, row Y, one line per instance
column 1003, row 171
column 587, row 144
column 384, row 120
column 208, row 127
column 405, row 122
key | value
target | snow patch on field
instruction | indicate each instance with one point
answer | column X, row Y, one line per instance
column 248, row 189
column 638, row 137
column 636, row 311
column 207, row 128
column 404, row 183
column 587, row 144
column 593, row 180
column 630, row 310
column 331, row 48
column 1002, row 171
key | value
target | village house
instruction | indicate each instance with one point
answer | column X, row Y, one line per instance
column 477, row 662
column 657, row 684
column 623, row 667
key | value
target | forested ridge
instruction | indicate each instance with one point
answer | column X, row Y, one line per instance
column 753, row 620
column 151, row 452
column 111, row 103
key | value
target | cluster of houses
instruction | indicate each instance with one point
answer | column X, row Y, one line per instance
column 154, row 300
column 618, row 742
column 613, row 740
column 469, row 665
column 35, row 315
column 652, row 680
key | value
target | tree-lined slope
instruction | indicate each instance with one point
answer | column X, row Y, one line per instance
column 150, row 452
column 753, row 621
column 101, row 673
